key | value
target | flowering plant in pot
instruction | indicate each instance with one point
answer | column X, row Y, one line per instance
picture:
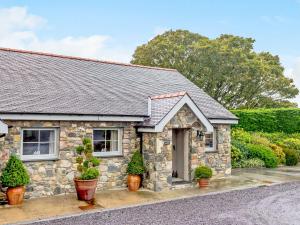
column 15, row 177
column 135, row 169
column 86, row 180
column 202, row 175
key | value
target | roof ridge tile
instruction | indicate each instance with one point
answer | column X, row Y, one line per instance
column 170, row 95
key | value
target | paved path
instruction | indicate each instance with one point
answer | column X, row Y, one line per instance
column 278, row 204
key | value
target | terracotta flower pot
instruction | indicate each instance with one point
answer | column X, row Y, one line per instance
column 15, row 195
column 133, row 182
column 203, row 182
column 85, row 189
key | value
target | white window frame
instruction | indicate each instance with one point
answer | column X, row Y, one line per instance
column 214, row 148
column 53, row 156
column 120, row 143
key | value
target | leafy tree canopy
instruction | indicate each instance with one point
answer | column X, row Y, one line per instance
column 227, row 68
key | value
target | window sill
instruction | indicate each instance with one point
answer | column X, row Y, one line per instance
column 40, row 159
column 108, row 155
column 211, row 151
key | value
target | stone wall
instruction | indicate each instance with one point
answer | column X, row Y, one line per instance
column 220, row 160
column 56, row 176
column 157, row 150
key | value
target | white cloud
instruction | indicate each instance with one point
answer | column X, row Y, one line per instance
column 18, row 29
column 18, row 18
column 293, row 71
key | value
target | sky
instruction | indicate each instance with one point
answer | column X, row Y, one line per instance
column 111, row 30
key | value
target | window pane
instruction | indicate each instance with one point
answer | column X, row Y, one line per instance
column 45, row 149
column 209, row 140
column 46, row 136
column 209, row 136
column 30, row 135
column 30, row 149
column 108, row 135
column 114, row 146
column 99, row 146
column 106, row 140
column 209, row 143
column 108, row 145
column 114, row 135
column 99, row 135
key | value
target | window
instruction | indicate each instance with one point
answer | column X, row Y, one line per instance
column 39, row 144
column 107, row 142
column 210, row 141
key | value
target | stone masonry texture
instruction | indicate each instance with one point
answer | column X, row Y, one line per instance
column 52, row 177
column 56, row 176
column 157, row 151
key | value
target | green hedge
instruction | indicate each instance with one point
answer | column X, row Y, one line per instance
column 269, row 120
column 292, row 157
column 263, row 153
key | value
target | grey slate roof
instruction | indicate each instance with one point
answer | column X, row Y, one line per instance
column 44, row 83
column 160, row 107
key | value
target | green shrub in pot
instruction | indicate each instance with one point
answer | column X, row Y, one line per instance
column 135, row 169
column 87, row 163
column 87, row 166
column 14, row 174
column 202, row 172
column 136, row 164
column 202, row 175
column 15, row 177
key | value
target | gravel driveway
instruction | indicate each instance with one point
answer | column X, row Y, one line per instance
column 278, row 204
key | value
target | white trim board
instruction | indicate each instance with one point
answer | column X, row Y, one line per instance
column 3, row 128
column 184, row 100
column 52, row 117
column 224, row 121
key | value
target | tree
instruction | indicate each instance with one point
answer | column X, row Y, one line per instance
column 227, row 68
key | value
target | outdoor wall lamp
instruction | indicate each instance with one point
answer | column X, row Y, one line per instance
column 200, row 135
column 4, row 128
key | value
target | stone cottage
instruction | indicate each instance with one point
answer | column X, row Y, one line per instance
column 50, row 102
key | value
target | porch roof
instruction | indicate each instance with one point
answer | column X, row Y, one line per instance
column 163, row 108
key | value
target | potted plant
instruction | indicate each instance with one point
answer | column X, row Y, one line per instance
column 135, row 169
column 86, row 180
column 15, row 177
column 202, row 175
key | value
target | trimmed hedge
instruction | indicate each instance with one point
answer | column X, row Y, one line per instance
column 269, row 120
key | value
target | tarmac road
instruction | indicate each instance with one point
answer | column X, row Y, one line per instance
column 274, row 205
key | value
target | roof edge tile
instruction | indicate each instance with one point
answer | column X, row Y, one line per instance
column 82, row 58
